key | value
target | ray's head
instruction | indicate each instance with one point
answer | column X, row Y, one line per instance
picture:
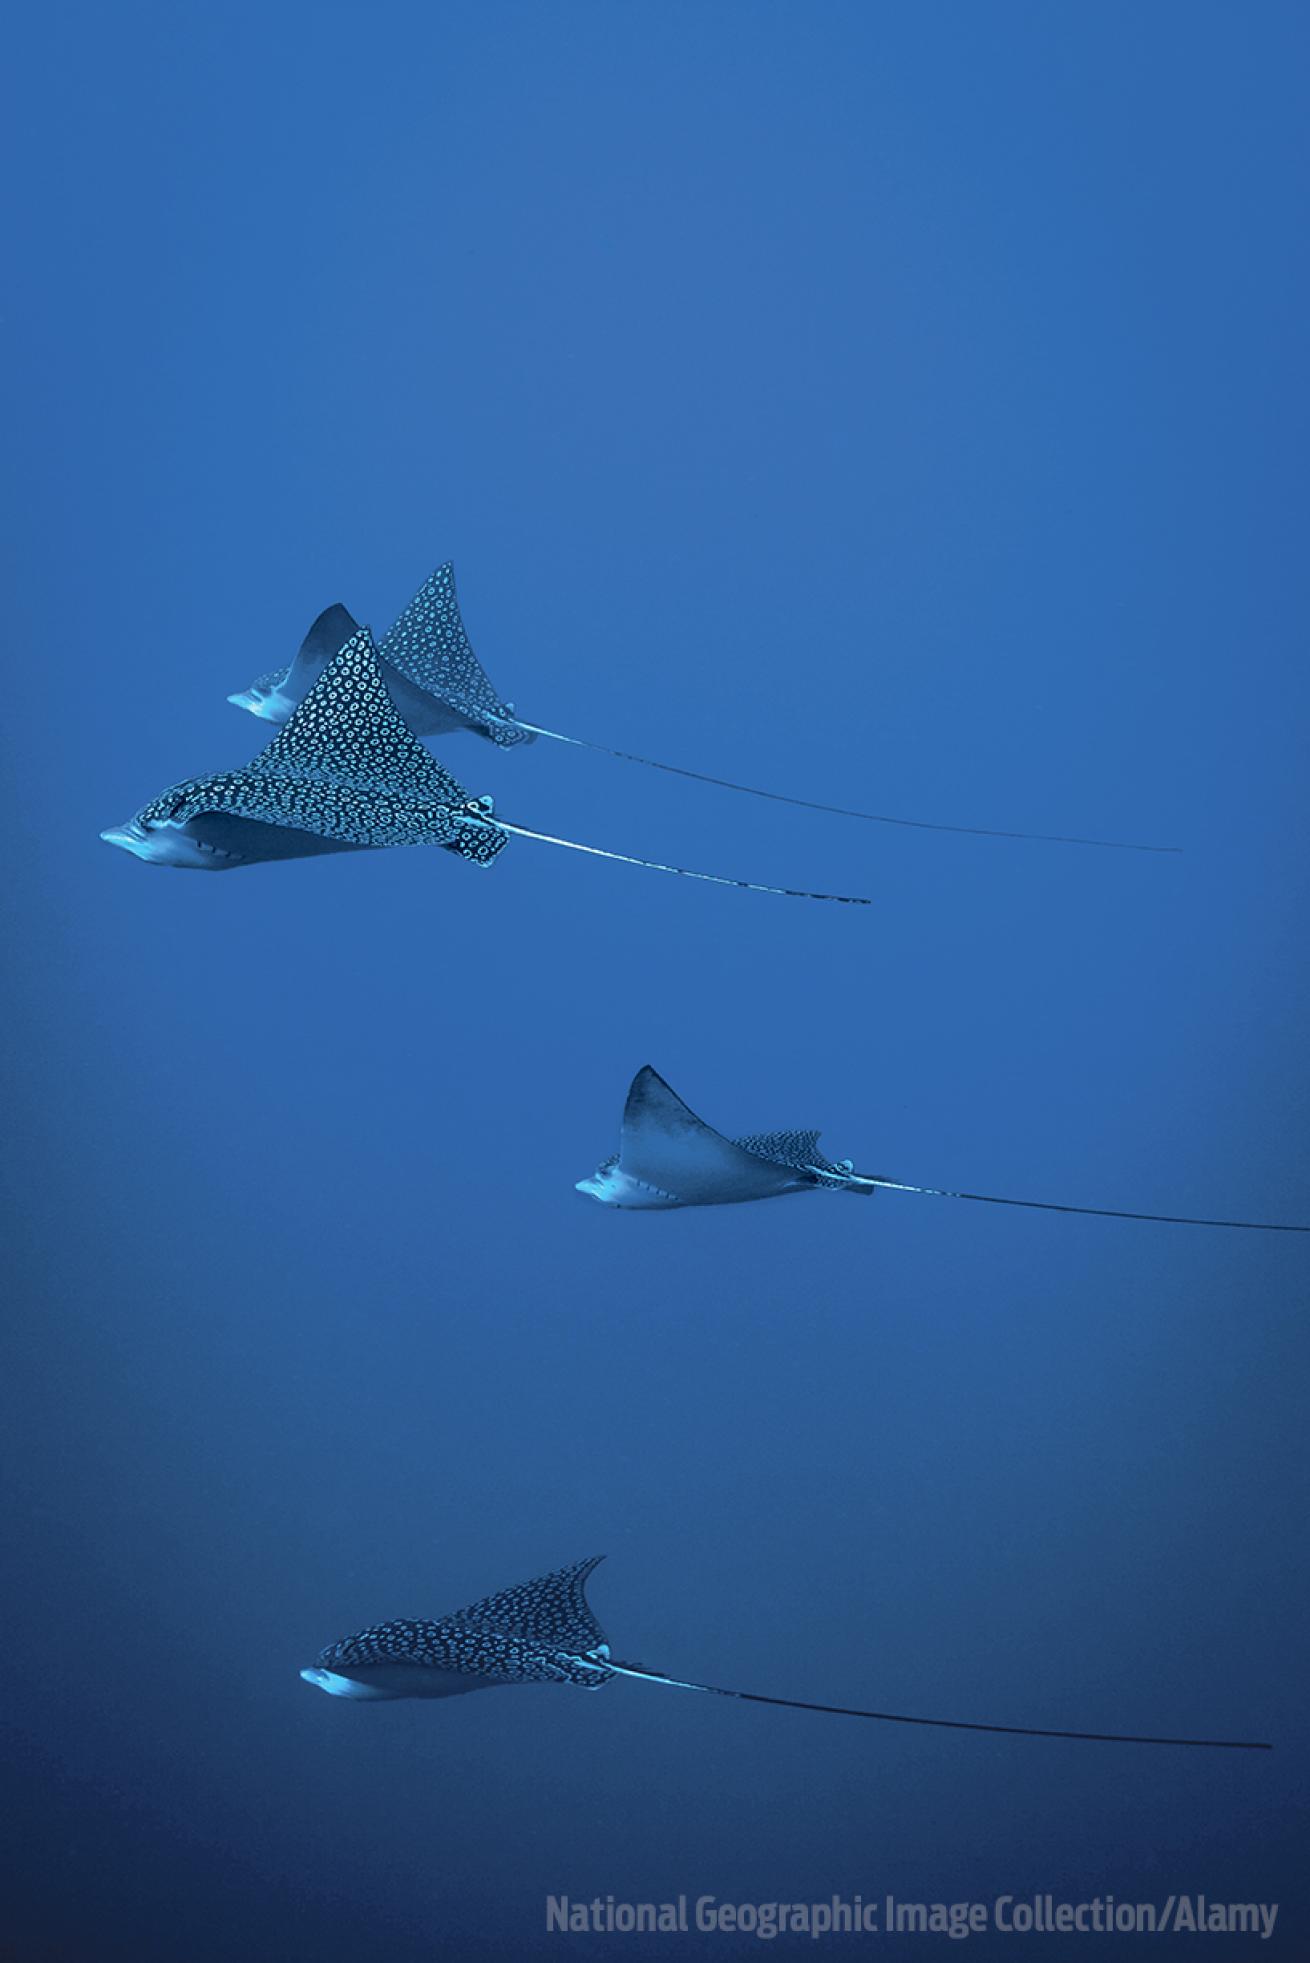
column 162, row 842
column 604, row 1184
column 261, row 699
column 338, row 1686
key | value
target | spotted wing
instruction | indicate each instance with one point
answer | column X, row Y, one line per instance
column 536, row 1632
column 430, row 648
column 553, row 1609
column 345, row 767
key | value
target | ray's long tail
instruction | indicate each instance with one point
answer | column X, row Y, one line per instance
column 941, row 1724
column 837, row 810
column 683, row 872
column 1100, row 1212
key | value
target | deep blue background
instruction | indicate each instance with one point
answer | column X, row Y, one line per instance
column 902, row 405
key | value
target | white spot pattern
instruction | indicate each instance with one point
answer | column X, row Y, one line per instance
column 527, row 1634
column 430, row 648
column 345, row 767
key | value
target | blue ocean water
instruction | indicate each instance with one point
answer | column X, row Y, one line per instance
column 899, row 406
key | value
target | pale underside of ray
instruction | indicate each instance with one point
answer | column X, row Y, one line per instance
column 394, row 1681
column 535, row 1643
column 254, row 841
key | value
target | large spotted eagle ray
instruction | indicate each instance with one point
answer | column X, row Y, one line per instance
column 544, row 1632
column 439, row 685
column 345, row 774
column 668, row 1157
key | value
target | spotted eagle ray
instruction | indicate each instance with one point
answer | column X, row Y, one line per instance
column 544, row 1632
column 668, row 1157
column 432, row 675
column 345, row 774
column 439, row 685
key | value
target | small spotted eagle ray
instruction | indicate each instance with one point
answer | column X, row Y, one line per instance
column 439, row 685
column 544, row 1632
column 345, row 774
column 668, row 1157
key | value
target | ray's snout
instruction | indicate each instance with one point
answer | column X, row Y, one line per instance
column 329, row 1681
column 253, row 699
column 600, row 1185
column 130, row 836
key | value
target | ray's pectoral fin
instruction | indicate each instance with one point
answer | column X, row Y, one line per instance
column 322, row 643
column 669, row 1157
column 552, row 1609
column 437, row 681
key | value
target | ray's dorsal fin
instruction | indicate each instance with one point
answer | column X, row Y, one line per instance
column 553, row 1609
column 347, row 731
column 429, row 646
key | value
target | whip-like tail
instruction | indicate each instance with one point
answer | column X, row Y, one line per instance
column 658, row 865
column 836, row 810
column 938, row 1724
column 1100, row 1212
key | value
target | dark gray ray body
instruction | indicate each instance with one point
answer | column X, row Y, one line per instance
column 543, row 1632
column 668, row 1157
column 540, row 1632
column 344, row 774
column 436, row 682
